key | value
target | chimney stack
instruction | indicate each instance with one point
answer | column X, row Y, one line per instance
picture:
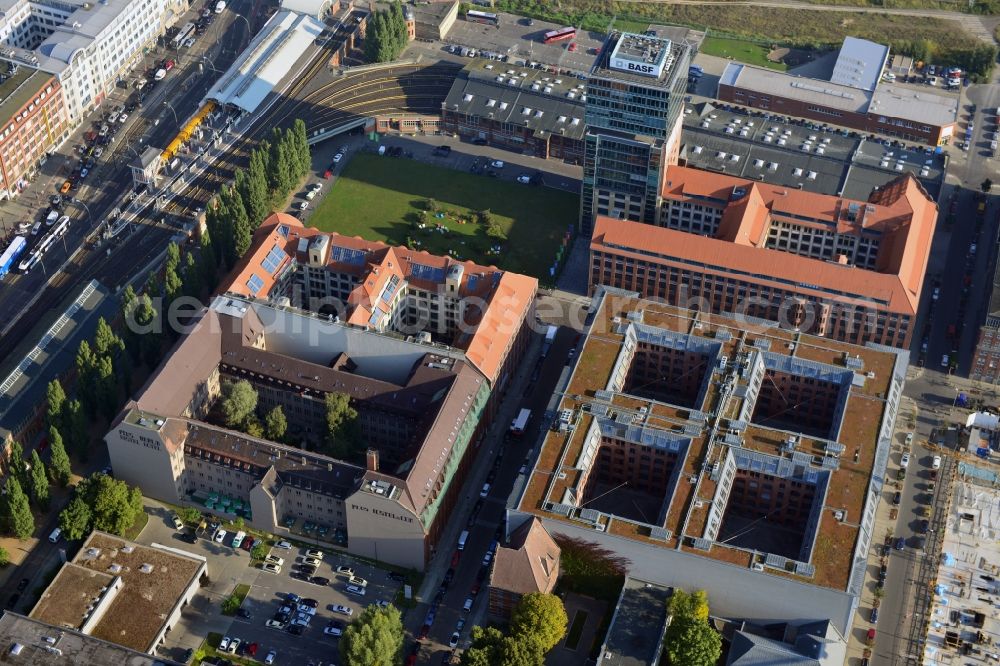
column 371, row 460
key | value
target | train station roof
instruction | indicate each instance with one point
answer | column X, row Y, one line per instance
column 270, row 57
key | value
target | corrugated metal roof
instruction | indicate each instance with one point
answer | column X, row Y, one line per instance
column 859, row 63
column 267, row 60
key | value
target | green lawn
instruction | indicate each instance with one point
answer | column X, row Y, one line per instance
column 741, row 51
column 381, row 198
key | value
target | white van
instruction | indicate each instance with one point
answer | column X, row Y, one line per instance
column 462, row 539
column 54, row 537
column 238, row 539
column 220, row 6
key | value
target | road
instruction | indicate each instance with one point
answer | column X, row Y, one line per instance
column 44, row 287
column 483, row 517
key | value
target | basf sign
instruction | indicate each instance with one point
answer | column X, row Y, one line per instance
column 644, row 68
column 640, row 54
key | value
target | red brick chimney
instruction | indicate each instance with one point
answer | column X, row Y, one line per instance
column 371, row 460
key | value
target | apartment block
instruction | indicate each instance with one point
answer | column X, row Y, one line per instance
column 482, row 311
column 819, row 264
column 756, row 478
column 34, row 121
column 88, row 46
column 423, row 405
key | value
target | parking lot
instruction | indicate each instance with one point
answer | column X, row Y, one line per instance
column 270, row 592
column 521, row 38
column 229, row 567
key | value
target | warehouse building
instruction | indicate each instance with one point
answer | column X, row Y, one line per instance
column 121, row 592
column 855, row 97
column 522, row 109
column 678, row 431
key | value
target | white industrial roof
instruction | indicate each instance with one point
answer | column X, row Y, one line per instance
column 308, row 7
column 800, row 88
column 859, row 63
column 268, row 59
column 921, row 106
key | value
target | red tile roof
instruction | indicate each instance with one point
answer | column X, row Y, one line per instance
column 507, row 297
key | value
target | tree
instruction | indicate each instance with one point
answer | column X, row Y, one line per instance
column 189, row 514
column 690, row 639
column 76, row 428
column 694, row 643
column 257, row 172
column 22, row 522
column 374, row 639
column 86, row 360
column 693, row 605
column 191, row 276
column 230, row 605
column 106, row 387
column 242, row 228
column 253, row 427
column 541, row 616
column 260, row 550
column 172, row 284
column 114, row 505
column 341, row 426
column 253, row 193
column 173, row 259
column 4, row 557
column 39, row 482
column 106, row 341
column 128, row 300
column 281, row 175
column 146, row 318
column 302, row 146
column 74, row 520
column 486, row 647
column 208, row 260
column 59, row 467
column 275, row 424
column 238, row 403
column 15, row 461
column 986, row 186
column 55, row 399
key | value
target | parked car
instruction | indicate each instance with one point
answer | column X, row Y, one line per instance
column 524, row 179
column 283, row 545
column 453, row 641
column 271, row 567
column 343, row 610
column 311, row 561
column 396, row 576
column 874, row 616
column 496, row 164
column 312, row 552
column 345, row 570
column 274, row 559
column 269, row 659
column 897, row 498
column 936, row 462
column 178, row 523
column 356, row 590
column 319, row 580
column 905, row 460
column 485, row 491
column 220, row 536
column 333, row 629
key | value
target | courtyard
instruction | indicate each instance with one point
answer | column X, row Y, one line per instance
column 385, row 199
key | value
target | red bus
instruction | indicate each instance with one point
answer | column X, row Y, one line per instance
column 559, row 35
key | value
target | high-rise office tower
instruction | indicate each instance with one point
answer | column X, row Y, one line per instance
column 635, row 96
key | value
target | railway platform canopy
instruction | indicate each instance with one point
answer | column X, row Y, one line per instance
column 269, row 58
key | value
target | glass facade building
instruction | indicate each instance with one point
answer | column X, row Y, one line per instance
column 635, row 96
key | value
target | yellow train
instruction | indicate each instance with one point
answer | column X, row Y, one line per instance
column 185, row 134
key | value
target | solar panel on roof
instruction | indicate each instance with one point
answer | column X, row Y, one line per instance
column 347, row 255
column 390, row 289
column 255, row 284
column 427, row 272
column 273, row 259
